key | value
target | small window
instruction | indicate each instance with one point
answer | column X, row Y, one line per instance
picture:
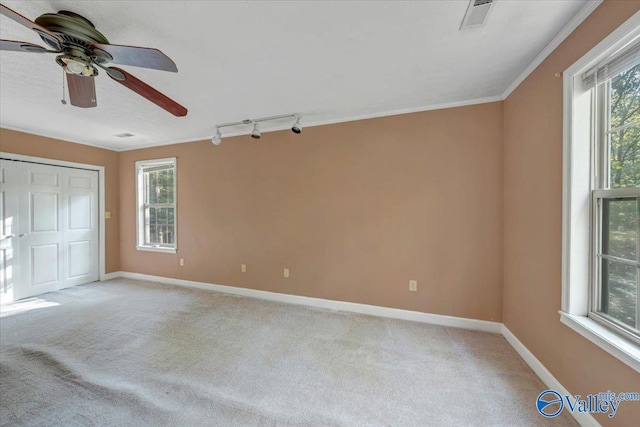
column 616, row 196
column 156, row 195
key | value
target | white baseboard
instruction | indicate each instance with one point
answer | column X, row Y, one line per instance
column 584, row 419
column 373, row 310
column 112, row 275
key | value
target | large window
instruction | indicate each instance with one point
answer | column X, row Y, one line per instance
column 601, row 195
column 156, row 181
column 616, row 195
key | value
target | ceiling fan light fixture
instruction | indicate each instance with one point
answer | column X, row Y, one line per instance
column 78, row 66
column 89, row 71
column 74, row 67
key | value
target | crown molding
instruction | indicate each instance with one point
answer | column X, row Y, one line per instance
column 582, row 14
column 330, row 121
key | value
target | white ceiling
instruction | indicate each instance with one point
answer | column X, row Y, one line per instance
column 329, row 61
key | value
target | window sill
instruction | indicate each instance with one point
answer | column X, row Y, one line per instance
column 156, row 249
column 623, row 349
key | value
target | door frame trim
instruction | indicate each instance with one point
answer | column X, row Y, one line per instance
column 101, row 196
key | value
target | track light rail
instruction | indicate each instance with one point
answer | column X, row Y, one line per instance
column 296, row 128
column 262, row 119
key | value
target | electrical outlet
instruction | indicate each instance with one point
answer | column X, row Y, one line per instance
column 243, row 268
column 107, row 215
column 413, row 285
column 181, row 262
column 286, row 272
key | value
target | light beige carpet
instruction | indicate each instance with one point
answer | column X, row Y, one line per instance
column 135, row 353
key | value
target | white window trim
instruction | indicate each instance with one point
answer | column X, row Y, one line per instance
column 576, row 208
column 140, row 205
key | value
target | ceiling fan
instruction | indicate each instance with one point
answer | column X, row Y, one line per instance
column 82, row 50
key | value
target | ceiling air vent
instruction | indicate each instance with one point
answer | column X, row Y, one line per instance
column 124, row 135
column 476, row 14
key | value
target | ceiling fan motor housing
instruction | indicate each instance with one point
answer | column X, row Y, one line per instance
column 78, row 34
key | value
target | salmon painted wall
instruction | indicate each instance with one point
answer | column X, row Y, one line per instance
column 354, row 210
column 39, row 146
column 533, row 223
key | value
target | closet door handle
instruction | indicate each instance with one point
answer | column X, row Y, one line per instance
column 7, row 237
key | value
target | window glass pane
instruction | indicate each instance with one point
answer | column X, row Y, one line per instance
column 153, row 235
column 161, row 226
column 167, row 186
column 619, row 291
column 620, row 227
column 145, row 191
column 152, row 185
column 159, row 185
column 152, row 216
column 625, row 141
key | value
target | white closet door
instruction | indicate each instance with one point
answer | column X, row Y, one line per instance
column 9, row 265
column 51, row 222
column 40, row 228
column 80, row 227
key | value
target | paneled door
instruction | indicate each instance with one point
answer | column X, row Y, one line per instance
column 8, row 233
column 50, row 240
column 80, row 226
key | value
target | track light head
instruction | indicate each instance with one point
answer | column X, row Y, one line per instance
column 217, row 138
column 255, row 134
column 297, row 127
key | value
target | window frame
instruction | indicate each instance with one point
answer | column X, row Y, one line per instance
column 581, row 190
column 601, row 112
column 141, row 221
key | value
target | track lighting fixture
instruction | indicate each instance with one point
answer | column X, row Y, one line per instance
column 217, row 138
column 297, row 127
column 255, row 133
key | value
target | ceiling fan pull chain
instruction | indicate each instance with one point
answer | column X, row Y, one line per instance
column 63, row 101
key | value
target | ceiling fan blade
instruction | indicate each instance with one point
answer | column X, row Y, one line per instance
column 144, row 57
column 12, row 14
column 82, row 91
column 17, row 46
column 146, row 91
